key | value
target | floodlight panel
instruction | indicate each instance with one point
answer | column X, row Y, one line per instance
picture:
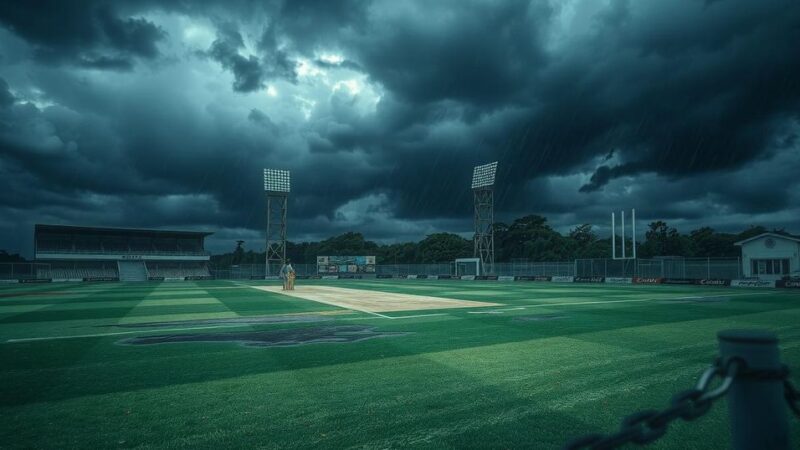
column 276, row 180
column 484, row 175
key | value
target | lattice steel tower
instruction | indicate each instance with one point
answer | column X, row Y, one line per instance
column 483, row 190
column 276, row 188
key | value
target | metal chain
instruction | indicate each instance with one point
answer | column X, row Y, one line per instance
column 646, row 426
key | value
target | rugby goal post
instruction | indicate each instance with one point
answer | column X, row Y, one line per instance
column 467, row 266
column 614, row 254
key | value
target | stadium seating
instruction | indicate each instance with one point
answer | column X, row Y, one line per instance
column 178, row 270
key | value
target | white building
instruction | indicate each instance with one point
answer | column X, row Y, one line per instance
column 770, row 256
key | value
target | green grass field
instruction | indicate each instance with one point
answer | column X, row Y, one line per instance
column 555, row 362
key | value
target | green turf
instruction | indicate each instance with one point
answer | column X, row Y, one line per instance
column 460, row 378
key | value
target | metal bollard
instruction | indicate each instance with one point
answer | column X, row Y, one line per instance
column 756, row 407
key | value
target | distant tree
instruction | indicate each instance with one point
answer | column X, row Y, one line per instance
column 705, row 242
column 582, row 242
column 663, row 240
column 403, row 253
column 238, row 253
column 347, row 244
column 530, row 237
column 443, row 247
column 751, row 232
column 10, row 257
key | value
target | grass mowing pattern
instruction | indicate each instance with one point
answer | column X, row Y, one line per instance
column 482, row 377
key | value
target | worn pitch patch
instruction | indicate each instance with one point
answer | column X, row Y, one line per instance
column 372, row 301
column 273, row 338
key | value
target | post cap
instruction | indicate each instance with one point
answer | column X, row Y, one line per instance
column 748, row 336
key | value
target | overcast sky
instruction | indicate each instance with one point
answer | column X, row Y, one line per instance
column 163, row 113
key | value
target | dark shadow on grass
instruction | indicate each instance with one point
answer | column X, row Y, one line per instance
column 250, row 320
column 273, row 338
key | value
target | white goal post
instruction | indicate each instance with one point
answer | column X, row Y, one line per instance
column 467, row 266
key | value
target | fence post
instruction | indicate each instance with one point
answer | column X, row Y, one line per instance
column 756, row 407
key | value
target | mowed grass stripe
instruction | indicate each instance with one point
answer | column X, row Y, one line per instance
column 451, row 366
column 457, row 381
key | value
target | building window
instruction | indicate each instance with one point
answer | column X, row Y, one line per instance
column 770, row 266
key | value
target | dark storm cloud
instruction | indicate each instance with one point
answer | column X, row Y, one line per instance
column 483, row 53
column 6, row 98
column 88, row 33
column 685, row 109
column 250, row 72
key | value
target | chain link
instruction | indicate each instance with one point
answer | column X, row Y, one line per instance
column 645, row 427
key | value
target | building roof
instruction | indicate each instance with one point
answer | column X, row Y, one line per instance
column 762, row 235
column 117, row 231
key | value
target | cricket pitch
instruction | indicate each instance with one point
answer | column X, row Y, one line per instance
column 373, row 301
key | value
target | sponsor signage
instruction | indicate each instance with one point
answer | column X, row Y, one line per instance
column 161, row 278
column 535, row 278
column 486, row 277
column 131, row 257
column 468, row 277
column 505, row 278
column 678, row 281
column 10, row 281
column 433, row 277
column 346, row 264
column 753, row 283
column 411, row 277
column 618, row 280
column 789, row 284
column 423, row 276
column 256, row 277
column 35, row 280
column 445, row 277
column 199, row 277
column 588, row 279
column 314, row 277
column 100, row 279
column 648, row 280
column 174, row 279
column 562, row 279
column 330, row 277
column 384, row 275
column 714, row 282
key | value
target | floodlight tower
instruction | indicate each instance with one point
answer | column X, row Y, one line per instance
column 276, row 188
column 483, row 190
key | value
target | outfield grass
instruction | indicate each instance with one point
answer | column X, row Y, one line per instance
column 555, row 362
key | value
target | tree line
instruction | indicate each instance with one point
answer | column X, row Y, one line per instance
column 529, row 237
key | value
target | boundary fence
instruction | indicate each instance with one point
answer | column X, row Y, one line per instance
column 677, row 268
column 23, row 271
